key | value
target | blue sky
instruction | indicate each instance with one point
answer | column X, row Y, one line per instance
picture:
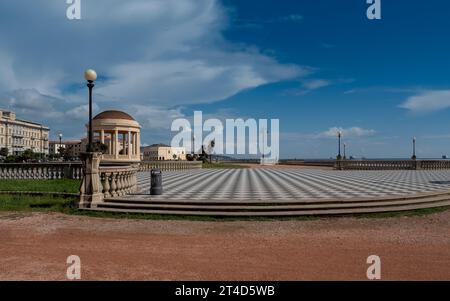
column 318, row 66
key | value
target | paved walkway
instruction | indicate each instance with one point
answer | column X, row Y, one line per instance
column 293, row 183
column 36, row 246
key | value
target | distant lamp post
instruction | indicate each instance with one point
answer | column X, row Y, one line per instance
column 339, row 156
column 345, row 146
column 60, row 143
column 414, row 157
column 193, row 144
column 90, row 75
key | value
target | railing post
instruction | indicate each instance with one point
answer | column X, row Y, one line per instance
column 418, row 165
column 91, row 188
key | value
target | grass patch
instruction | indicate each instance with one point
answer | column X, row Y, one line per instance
column 62, row 185
column 409, row 213
column 223, row 165
column 10, row 202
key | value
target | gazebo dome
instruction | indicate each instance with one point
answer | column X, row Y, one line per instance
column 112, row 114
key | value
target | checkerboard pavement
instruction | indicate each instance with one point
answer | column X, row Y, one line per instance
column 269, row 184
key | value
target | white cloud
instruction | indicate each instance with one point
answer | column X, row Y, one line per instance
column 155, row 117
column 155, row 55
column 81, row 112
column 350, row 132
column 316, row 84
column 428, row 101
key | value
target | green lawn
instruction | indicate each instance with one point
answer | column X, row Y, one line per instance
column 44, row 203
column 64, row 185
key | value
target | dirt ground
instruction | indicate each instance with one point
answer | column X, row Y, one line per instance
column 36, row 246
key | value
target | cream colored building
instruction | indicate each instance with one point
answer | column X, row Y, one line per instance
column 18, row 135
column 120, row 133
column 162, row 152
column 74, row 148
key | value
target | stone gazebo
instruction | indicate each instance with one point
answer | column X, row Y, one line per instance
column 120, row 133
column 114, row 172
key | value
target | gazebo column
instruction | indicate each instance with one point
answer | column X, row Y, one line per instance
column 110, row 145
column 124, row 145
column 129, row 145
column 116, row 144
column 102, row 136
column 133, row 143
column 138, row 145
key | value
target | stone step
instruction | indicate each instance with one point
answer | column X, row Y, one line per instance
column 256, row 202
column 272, row 207
column 341, row 211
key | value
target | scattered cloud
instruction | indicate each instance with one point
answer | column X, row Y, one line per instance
column 316, row 84
column 259, row 24
column 428, row 101
column 351, row 132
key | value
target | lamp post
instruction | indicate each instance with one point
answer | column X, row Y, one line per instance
column 345, row 146
column 414, row 157
column 90, row 75
column 339, row 157
column 60, row 142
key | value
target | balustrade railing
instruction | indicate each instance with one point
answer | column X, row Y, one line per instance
column 392, row 164
column 40, row 171
column 118, row 180
column 169, row 165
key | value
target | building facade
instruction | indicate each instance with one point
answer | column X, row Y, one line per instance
column 18, row 135
column 162, row 152
column 73, row 148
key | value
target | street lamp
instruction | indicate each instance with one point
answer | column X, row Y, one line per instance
column 345, row 146
column 414, row 157
column 339, row 157
column 60, row 142
column 90, row 75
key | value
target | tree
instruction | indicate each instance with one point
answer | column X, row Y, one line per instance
column 100, row 147
column 28, row 155
column 4, row 151
column 61, row 151
column 11, row 159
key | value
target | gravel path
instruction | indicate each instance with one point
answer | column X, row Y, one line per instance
column 36, row 246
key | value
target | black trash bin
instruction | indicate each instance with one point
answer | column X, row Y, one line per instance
column 156, row 182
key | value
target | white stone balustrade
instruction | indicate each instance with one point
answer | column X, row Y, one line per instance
column 392, row 164
column 40, row 171
column 169, row 165
column 118, row 180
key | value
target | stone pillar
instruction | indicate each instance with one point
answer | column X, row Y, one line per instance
column 129, row 145
column 134, row 144
column 116, row 144
column 91, row 188
column 110, row 150
column 102, row 136
column 138, row 145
